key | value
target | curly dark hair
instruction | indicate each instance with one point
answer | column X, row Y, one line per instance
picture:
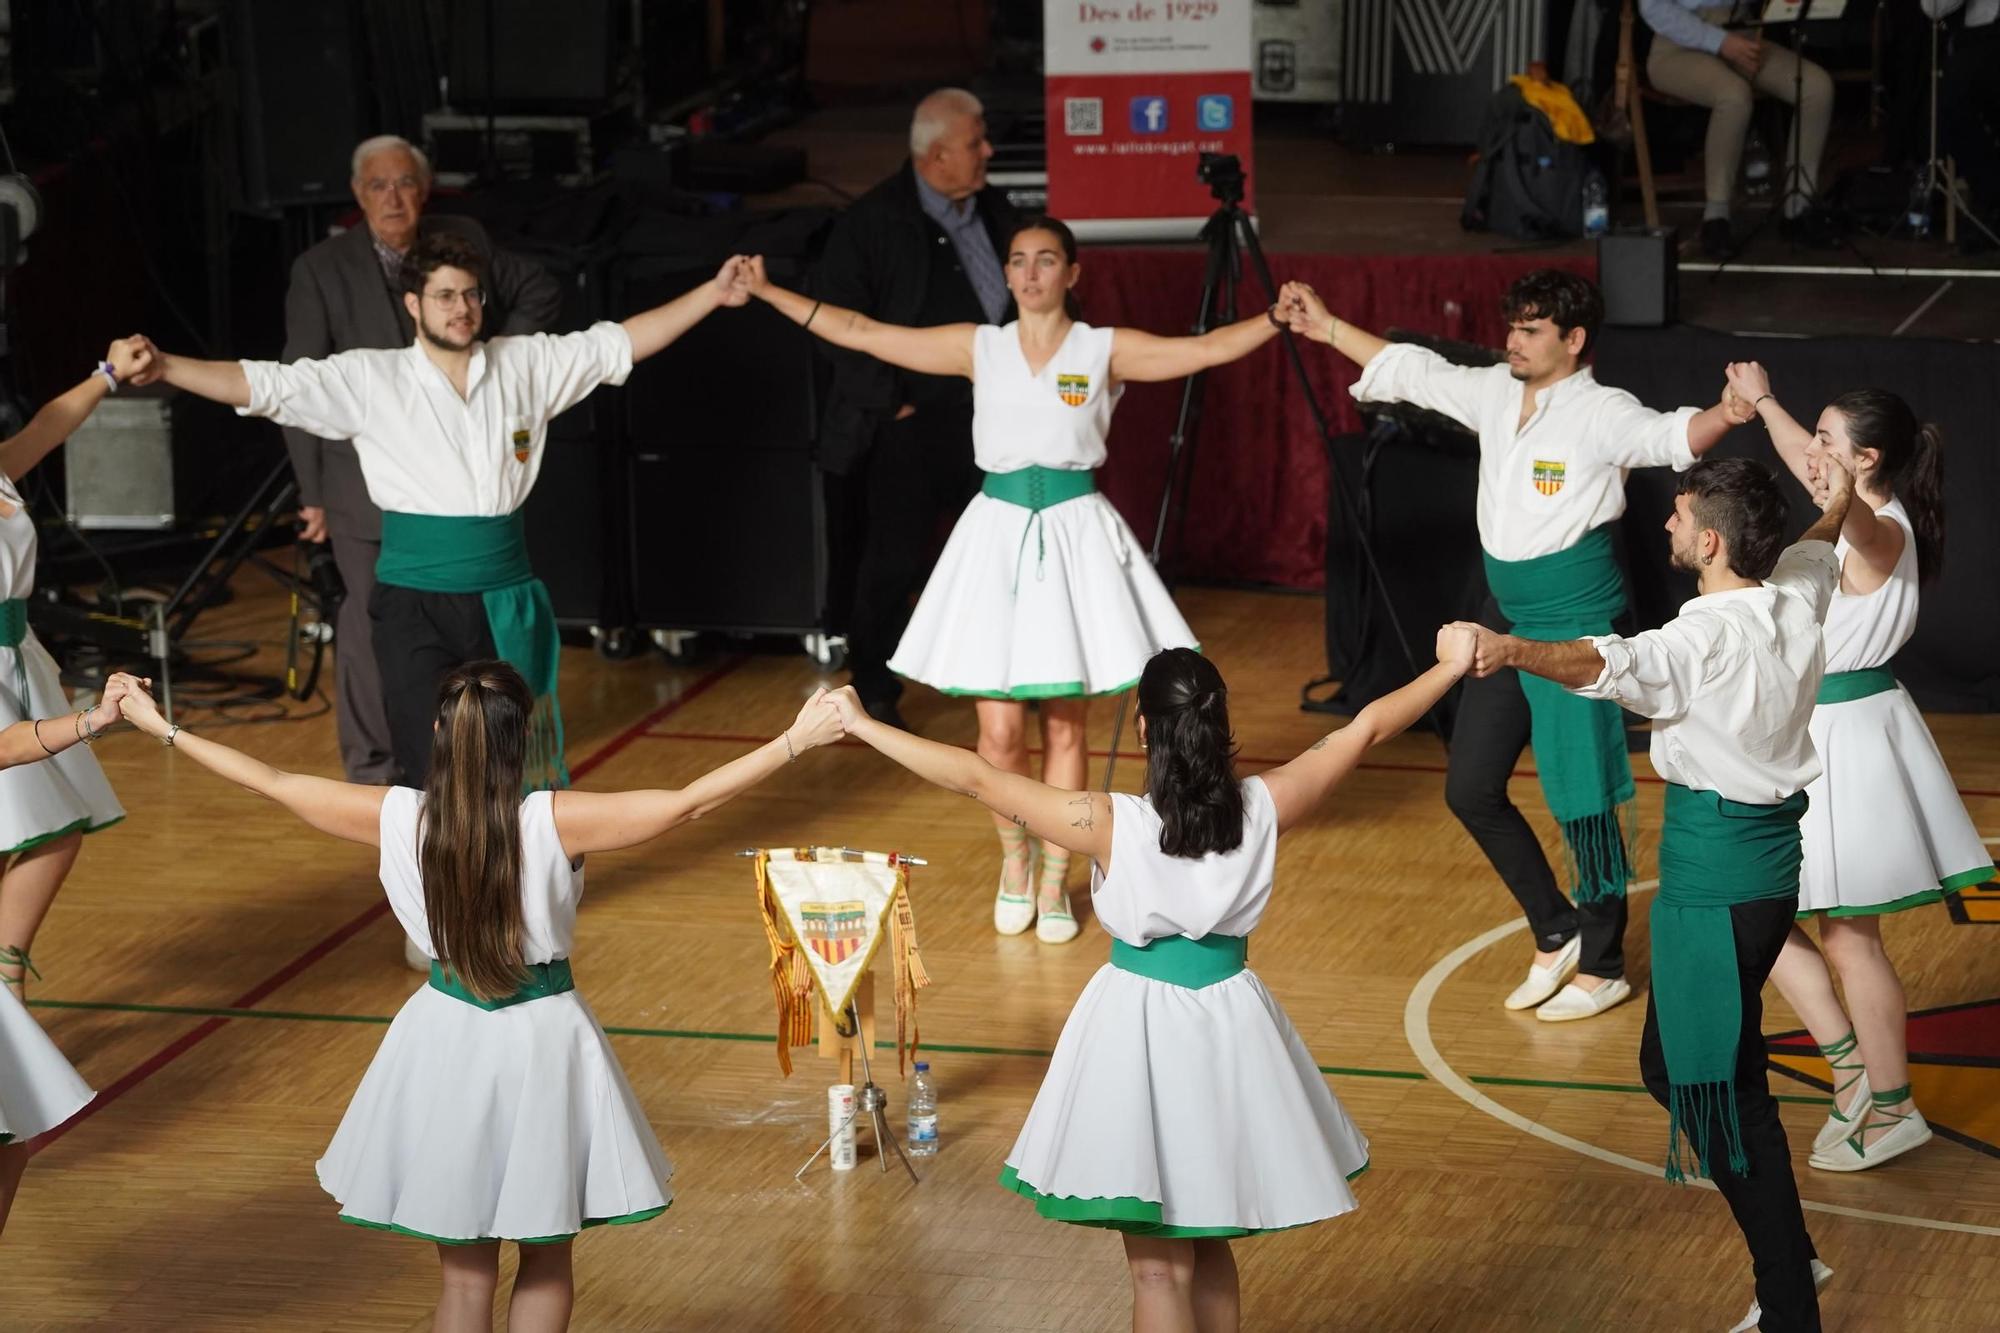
column 1741, row 500
column 441, row 249
column 1564, row 299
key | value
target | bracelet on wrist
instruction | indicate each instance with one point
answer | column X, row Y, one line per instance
column 791, row 755
column 1272, row 315
column 38, row 738
column 168, row 739
column 110, row 374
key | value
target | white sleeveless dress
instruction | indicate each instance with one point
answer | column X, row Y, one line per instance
column 69, row 793
column 506, row 1124
column 1171, row 1111
column 38, row 1088
column 1056, row 603
column 1884, row 829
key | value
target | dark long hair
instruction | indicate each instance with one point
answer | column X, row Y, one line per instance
column 1056, row 227
column 470, row 844
column 1909, row 463
column 1190, row 754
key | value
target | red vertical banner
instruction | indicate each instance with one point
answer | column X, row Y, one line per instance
column 1137, row 90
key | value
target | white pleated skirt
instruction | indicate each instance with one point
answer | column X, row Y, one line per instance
column 1884, row 827
column 43, row 801
column 1169, row 1112
column 38, row 1088
column 505, row 1124
column 1029, row 604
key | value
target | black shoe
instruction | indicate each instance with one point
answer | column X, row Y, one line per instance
column 1715, row 239
column 885, row 712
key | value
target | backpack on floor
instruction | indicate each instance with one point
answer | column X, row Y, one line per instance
column 1527, row 182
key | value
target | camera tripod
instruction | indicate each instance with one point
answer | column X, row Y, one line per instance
column 1230, row 236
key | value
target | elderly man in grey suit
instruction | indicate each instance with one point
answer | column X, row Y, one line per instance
column 346, row 293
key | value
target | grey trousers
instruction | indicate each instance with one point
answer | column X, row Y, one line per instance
column 1710, row 81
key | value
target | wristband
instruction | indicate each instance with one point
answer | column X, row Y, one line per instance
column 110, row 375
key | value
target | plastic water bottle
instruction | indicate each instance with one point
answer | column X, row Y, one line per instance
column 923, row 1136
column 1596, row 206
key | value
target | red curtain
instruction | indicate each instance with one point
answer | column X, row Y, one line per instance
column 1257, row 504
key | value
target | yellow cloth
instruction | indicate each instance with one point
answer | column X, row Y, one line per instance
column 1554, row 101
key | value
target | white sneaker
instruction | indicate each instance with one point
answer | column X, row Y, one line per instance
column 1821, row 1276
column 1543, row 981
column 1856, row 1154
column 416, row 959
column 1057, row 925
column 1573, row 1001
column 1840, row 1125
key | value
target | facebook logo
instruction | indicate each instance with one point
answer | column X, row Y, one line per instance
column 1215, row 112
column 1149, row 115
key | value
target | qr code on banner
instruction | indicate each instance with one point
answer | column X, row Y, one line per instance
column 1083, row 115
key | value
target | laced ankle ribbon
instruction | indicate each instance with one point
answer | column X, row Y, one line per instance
column 1835, row 1056
column 13, row 957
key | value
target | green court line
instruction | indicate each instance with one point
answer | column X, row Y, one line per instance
column 695, row 1034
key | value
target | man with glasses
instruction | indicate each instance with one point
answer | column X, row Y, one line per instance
column 346, row 292
column 449, row 433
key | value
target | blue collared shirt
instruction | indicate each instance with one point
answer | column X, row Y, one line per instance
column 967, row 230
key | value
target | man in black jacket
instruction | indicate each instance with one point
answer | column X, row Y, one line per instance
column 345, row 293
column 925, row 247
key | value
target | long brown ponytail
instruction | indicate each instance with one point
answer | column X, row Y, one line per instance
column 1909, row 464
column 470, row 839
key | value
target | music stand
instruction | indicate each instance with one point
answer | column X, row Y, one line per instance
column 1793, row 14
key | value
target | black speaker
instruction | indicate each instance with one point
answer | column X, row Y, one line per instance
column 727, row 518
column 1637, row 271
column 300, row 99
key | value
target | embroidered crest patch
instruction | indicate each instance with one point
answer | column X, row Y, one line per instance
column 1548, row 476
column 1073, row 389
column 521, row 440
column 834, row 930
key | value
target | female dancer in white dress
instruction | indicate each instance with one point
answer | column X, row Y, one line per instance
column 1885, row 830
column 1180, row 1107
column 495, row 1109
column 38, row 1089
column 45, row 809
column 1042, row 592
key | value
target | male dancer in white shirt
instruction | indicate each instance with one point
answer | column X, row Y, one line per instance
column 1730, row 684
column 450, row 432
column 1554, row 448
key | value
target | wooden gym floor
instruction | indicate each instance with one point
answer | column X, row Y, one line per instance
column 222, row 975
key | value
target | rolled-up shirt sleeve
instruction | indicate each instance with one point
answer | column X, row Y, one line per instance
column 568, row 366
column 1406, row 373
column 1810, row 570
column 1655, row 674
column 327, row 396
column 1629, row 434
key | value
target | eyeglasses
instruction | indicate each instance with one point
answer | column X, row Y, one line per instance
column 448, row 298
column 378, row 185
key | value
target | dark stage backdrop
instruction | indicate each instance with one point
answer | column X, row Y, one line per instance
column 1953, row 663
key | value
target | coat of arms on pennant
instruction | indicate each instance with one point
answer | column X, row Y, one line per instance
column 1549, row 476
column 1073, row 389
column 521, row 440
column 834, row 931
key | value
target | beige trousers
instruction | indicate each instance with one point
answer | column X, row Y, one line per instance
column 1710, row 81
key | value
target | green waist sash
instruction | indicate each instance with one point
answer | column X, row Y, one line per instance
column 488, row 557
column 1579, row 743
column 1180, row 961
column 1714, row 853
column 543, row 980
column 1035, row 489
column 1840, row 687
column 14, row 633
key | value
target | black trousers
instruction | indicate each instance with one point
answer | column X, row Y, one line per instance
column 1765, row 1200
column 420, row 637
column 1486, row 742
column 887, row 516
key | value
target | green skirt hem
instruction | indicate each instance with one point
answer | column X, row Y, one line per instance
column 83, row 826
column 1133, row 1216
column 626, row 1219
column 1067, row 689
column 1964, row 879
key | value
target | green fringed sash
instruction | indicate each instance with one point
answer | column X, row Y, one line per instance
column 489, row 556
column 1579, row 743
column 1714, row 853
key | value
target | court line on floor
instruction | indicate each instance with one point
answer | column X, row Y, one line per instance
column 765, row 1038
column 377, row 908
column 1377, row 766
column 1417, row 1031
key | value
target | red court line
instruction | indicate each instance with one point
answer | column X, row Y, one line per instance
column 1140, row 755
column 209, row 1027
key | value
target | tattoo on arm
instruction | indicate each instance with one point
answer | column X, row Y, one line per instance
column 1320, row 744
column 1084, row 821
column 1018, row 821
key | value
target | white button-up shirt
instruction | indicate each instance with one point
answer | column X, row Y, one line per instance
column 1542, row 487
column 1730, row 682
column 425, row 450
